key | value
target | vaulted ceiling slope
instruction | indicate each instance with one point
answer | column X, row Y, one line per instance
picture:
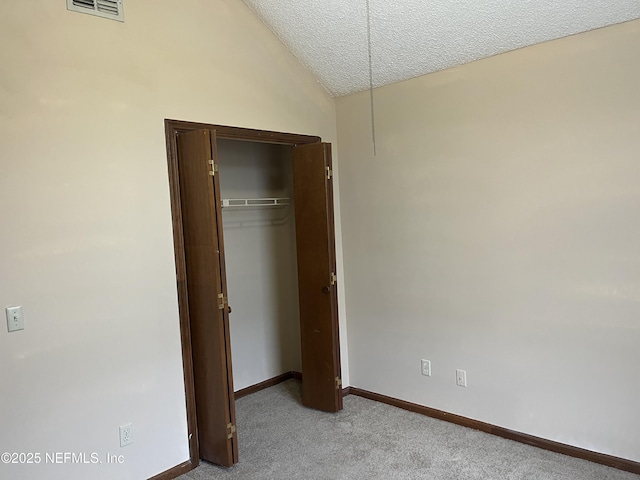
column 410, row 38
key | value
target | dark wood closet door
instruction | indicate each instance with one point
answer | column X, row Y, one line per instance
column 206, row 285
column 320, row 344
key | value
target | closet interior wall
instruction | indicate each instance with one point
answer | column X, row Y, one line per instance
column 260, row 254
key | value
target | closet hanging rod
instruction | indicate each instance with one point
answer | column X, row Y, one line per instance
column 256, row 202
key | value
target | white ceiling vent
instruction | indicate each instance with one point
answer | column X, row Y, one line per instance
column 102, row 8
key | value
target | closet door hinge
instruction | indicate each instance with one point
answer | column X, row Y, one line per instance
column 334, row 279
column 222, row 301
column 231, row 430
column 214, row 167
column 329, row 173
column 338, row 383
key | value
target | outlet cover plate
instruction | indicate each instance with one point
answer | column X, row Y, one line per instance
column 126, row 435
column 461, row 378
column 425, row 367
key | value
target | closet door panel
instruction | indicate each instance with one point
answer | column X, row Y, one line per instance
column 315, row 242
column 209, row 324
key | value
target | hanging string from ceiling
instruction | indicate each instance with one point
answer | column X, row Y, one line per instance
column 373, row 123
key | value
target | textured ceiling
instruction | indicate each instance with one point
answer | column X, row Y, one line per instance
column 415, row 37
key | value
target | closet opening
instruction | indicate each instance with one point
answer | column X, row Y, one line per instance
column 253, row 230
column 258, row 222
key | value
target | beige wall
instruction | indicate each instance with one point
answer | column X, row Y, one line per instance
column 497, row 230
column 86, row 244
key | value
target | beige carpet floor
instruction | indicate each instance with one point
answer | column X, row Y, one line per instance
column 280, row 439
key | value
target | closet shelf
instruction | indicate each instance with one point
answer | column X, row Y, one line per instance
column 255, row 202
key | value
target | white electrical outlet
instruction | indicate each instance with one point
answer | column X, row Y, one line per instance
column 15, row 320
column 126, row 435
column 461, row 378
column 426, row 367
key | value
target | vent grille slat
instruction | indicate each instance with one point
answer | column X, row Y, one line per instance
column 108, row 6
column 84, row 3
